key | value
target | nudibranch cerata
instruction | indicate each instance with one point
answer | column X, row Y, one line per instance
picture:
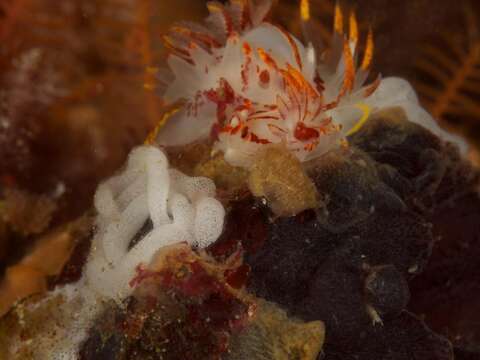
column 249, row 84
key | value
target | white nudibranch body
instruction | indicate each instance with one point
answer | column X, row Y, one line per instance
column 250, row 84
column 181, row 209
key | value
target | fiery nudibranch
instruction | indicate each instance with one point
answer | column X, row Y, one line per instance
column 249, row 84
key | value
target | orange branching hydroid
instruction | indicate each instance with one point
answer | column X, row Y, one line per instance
column 455, row 72
column 147, row 61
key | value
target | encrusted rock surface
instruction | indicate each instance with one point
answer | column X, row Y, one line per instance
column 349, row 277
column 349, row 262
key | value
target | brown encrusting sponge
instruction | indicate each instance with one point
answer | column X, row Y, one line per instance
column 194, row 308
column 277, row 176
column 347, row 276
column 349, row 262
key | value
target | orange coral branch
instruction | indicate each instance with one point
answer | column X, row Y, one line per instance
column 142, row 35
column 453, row 87
column 453, row 90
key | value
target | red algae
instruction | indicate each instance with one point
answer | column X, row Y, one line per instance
column 184, row 305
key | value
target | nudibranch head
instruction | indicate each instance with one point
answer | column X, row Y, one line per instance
column 250, row 84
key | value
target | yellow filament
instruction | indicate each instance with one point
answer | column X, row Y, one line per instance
column 366, row 114
column 168, row 42
column 154, row 133
column 214, row 7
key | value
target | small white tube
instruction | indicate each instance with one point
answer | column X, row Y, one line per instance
column 209, row 219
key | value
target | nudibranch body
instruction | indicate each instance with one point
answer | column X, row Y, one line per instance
column 249, row 84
